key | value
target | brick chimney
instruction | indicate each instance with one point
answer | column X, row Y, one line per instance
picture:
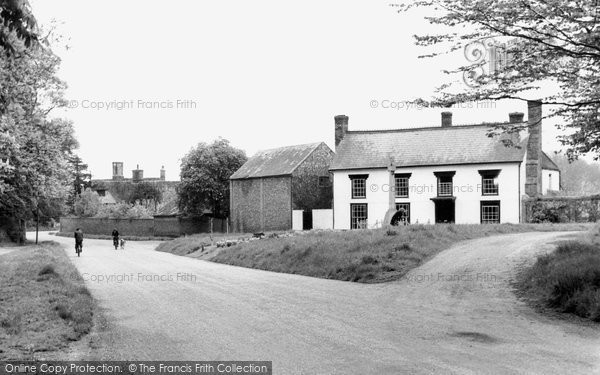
column 341, row 128
column 516, row 117
column 162, row 173
column 117, row 170
column 138, row 174
column 446, row 119
column 533, row 164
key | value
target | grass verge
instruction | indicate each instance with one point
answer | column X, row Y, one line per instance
column 567, row 280
column 360, row 255
column 44, row 304
column 189, row 244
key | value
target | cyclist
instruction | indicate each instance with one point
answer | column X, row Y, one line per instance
column 78, row 241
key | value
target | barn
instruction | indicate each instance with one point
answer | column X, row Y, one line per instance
column 273, row 184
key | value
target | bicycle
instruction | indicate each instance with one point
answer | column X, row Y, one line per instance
column 78, row 248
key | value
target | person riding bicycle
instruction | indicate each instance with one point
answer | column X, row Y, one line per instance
column 78, row 240
column 115, row 236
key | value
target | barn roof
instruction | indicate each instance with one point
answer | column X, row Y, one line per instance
column 275, row 162
column 457, row 144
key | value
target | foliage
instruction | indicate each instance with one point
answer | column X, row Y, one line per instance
column 18, row 26
column 87, row 204
column 146, row 194
column 205, row 173
column 36, row 147
column 80, row 177
column 563, row 210
column 577, row 177
column 567, row 280
column 124, row 211
column 552, row 43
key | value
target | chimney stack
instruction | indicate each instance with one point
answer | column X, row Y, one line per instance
column 138, row 174
column 516, row 117
column 533, row 164
column 162, row 173
column 117, row 170
column 341, row 128
column 446, row 119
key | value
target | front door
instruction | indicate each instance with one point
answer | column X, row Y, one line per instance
column 444, row 211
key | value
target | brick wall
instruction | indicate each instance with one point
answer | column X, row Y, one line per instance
column 261, row 204
column 307, row 193
column 159, row 226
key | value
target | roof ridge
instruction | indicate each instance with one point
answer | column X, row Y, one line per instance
column 428, row 128
column 314, row 144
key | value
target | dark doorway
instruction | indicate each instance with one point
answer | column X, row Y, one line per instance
column 444, row 211
column 307, row 223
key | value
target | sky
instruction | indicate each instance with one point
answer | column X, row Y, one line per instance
column 148, row 80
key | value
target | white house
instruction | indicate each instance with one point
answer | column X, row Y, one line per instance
column 448, row 174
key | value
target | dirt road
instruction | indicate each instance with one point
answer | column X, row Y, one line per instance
column 454, row 315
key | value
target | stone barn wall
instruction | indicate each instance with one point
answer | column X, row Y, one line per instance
column 261, row 204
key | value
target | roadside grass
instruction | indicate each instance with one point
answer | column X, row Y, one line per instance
column 566, row 280
column 189, row 244
column 44, row 304
column 366, row 256
column 109, row 237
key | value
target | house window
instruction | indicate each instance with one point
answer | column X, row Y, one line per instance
column 444, row 183
column 550, row 181
column 358, row 216
column 490, row 212
column 401, row 185
column 489, row 181
column 324, row 181
column 406, row 208
column 359, row 185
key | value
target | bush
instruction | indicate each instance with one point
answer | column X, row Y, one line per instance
column 87, row 204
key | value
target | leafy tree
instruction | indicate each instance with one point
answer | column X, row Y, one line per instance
column 550, row 43
column 80, row 177
column 205, row 173
column 18, row 25
column 35, row 176
column 87, row 204
column 146, row 194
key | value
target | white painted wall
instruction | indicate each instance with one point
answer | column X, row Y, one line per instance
column 297, row 220
column 550, row 180
column 322, row 219
column 467, row 190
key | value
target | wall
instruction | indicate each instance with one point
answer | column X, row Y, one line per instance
column 297, row 219
column 261, row 204
column 467, row 190
column 159, row 226
column 322, row 219
column 307, row 194
column 550, row 183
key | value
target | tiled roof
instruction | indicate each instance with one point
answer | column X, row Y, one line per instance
column 460, row 144
column 547, row 163
column 275, row 162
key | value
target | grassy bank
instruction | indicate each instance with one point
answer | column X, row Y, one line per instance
column 359, row 255
column 567, row 280
column 43, row 304
column 189, row 244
